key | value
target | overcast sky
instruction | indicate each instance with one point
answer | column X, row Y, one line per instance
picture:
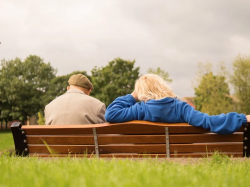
column 173, row 35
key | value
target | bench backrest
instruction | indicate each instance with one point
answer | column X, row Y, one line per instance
column 130, row 139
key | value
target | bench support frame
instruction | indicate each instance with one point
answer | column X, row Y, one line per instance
column 96, row 143
column 246, row 141
column 167, row 143
column 19, row 136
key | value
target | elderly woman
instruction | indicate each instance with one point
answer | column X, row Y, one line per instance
column 160, row 104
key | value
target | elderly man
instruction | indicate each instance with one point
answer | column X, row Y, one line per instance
column 75, row 106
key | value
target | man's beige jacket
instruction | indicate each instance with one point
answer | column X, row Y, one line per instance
column 74, row 108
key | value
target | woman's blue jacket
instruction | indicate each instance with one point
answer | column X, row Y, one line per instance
column 171, row 110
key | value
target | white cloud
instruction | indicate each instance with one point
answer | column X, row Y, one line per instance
column 81, row 34
column 240, row 45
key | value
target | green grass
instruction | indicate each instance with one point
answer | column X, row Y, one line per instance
column 216, row 172
column 6, row 140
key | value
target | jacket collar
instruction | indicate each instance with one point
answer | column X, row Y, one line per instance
column 75, row 90
column 164, row 100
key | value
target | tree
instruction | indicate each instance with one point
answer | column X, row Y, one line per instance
column 4, row 113
column 161, row 73
column 1, row 109
column 241, row 82
column 114, row 80
column 58, row 86
column 212, row 92
column 22, row 85
column 212, row 95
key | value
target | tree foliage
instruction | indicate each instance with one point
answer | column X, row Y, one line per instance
column 22, row 85
column 58, row 86
column 212, row 92
column 241, row 82
column 161, row 73
column 114, row 80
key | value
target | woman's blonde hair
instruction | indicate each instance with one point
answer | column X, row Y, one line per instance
column 151, row 86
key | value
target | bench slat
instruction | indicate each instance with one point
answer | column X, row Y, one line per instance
column 137, row 139
column 141, row 148
column 195, row 155
column 125, row 128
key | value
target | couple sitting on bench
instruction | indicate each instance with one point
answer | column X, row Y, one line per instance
column 158, row 104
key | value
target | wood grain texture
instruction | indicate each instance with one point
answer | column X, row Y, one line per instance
column 61, row 139
column 113, row 129
column 139, row 148
column 188, row 155
column 132, row 127
column 135, row 139
column 130, row 139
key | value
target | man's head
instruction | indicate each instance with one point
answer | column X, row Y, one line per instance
column 80, row 82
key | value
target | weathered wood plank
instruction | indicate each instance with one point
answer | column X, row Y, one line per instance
column 132, row 127
column 141, row 148
column 118, row 129
column 188, row 155
column 135, row 139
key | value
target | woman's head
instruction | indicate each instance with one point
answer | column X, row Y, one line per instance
column 151, row 86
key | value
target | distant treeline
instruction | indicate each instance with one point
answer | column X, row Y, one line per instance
column 27, row 86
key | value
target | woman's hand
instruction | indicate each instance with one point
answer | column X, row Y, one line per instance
column 248, row 118
column 135, row 96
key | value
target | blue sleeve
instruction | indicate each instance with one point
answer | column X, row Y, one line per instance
column 123, row 109
column 221, row 124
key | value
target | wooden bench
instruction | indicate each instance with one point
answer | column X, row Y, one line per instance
column 130, row 139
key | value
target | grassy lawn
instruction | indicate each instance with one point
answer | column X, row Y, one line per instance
column 218, row 171
column 6, row 140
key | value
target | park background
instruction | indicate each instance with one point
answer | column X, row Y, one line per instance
column 200, row 47
column 184, row 39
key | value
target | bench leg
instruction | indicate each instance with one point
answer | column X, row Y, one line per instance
column 246, row 140
column 167, row 142
column 96, row 143
column 20, row 140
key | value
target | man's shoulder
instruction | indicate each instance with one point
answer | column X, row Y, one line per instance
column 77, row 98
column 58, row 98
column 82, row 97
column 96, row 101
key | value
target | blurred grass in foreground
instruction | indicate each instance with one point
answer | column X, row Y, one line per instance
column 215, row 171
column 6, row 140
